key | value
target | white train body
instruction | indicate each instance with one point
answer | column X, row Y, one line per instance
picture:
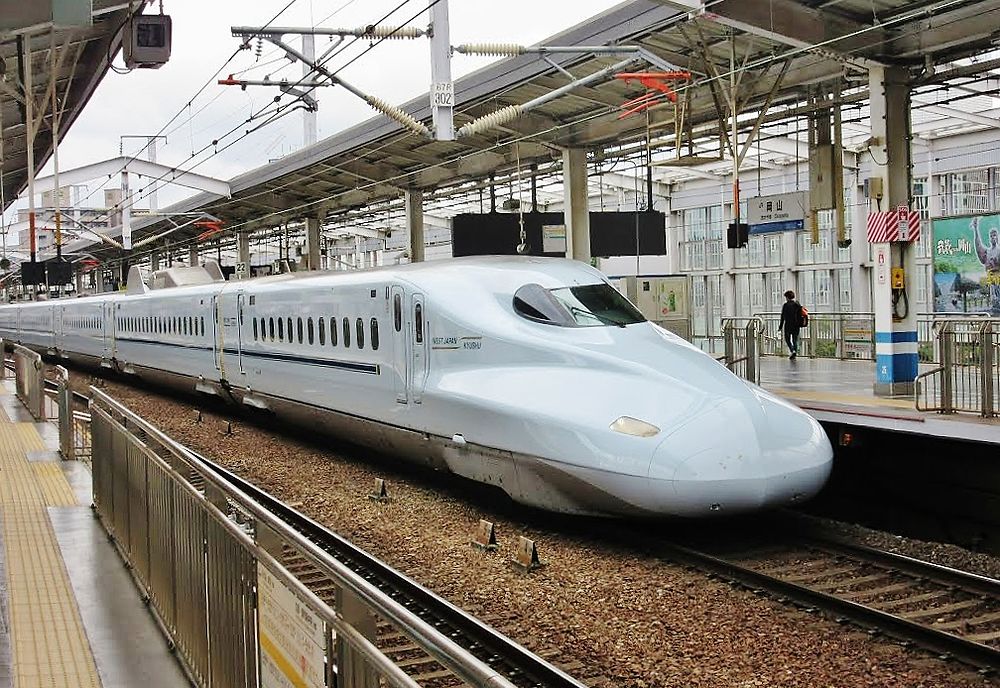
column 562, row 409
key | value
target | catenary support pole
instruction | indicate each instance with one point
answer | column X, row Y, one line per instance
column 896, row 355
column 415, row 224
column 575, row 208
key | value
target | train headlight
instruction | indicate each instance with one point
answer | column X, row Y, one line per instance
column 633, row 426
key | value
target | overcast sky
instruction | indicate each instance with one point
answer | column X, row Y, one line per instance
column 142, row 102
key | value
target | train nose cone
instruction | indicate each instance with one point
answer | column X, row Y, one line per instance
column 729, row 459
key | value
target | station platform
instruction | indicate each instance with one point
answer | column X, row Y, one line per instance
column 837, row 390
column 70, row 615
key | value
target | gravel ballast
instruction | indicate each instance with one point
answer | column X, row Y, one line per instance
column 612, row 612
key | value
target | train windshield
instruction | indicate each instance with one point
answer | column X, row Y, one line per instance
column 591, row 305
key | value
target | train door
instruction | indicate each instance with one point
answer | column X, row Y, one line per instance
column 109, row 316
column 58, row 316
column 220, row 340
column 418, row 348
column 240, row 303
column 400, row 359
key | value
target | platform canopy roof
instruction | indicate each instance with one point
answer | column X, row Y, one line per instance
column 70, row 54
column 780, row 53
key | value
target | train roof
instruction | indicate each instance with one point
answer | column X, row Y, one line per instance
column 491, row 273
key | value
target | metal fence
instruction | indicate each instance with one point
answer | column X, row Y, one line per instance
column 208, row 557
column 743, row 339
column 74, row 425
column 29, row 381
column 828, row 335
column 968, row 377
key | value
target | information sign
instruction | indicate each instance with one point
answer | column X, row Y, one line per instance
column 777, row 213
column 291, row 636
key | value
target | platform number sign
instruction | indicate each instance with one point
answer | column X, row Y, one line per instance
column 443, row 94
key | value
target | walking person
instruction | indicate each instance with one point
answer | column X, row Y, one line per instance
column 791, row 322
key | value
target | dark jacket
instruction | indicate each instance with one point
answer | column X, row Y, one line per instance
column 791, row 317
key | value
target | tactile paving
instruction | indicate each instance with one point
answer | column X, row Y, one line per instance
column 49, row 645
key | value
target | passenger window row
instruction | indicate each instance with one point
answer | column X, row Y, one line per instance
column 312, row 331
column 84, row 323
column 188, row 326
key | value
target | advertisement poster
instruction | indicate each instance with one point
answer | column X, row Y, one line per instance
column 966, row 253
column 553, row 238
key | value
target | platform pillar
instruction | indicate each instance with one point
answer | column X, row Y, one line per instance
column 576, row 210
column 242, row 255
column 78, row 281
column 313, row 240
column 415, row 224
column 193, row 256
column 154, row 261
column 895, row 319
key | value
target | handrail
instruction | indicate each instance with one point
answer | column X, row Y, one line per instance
column 742, row 344
column 968, row 377
column 29, row 380
column 450, row 654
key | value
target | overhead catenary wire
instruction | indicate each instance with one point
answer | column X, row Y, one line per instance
column 190, row 100
column 507, row 143
column 277, row 110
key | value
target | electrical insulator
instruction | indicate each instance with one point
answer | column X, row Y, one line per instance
column 492, row 49
column 388, row 32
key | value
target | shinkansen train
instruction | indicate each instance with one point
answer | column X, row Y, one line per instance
column 531, row 374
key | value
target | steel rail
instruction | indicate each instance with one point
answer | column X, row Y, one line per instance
column 946, row 644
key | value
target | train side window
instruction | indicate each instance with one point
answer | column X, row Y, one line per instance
column 347, row 333
column 299, row 330
column 291, row 337
column 418, row 323
column 203, row 326
column 333, row 332
column 397, row 312
column 310, row 330
column 374, row 334
column 322, row 331
column 281, row 329
column 360, row 325
column 184, row 326
column 270, row 328
column 255, row 329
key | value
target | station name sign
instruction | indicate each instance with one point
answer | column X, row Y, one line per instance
column 777, row 213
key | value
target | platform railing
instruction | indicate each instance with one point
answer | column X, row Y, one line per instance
column 742, row 341
column 74, row 425
column 208, row 557
column 29, row 381
column 828, row 335
column 968, row 377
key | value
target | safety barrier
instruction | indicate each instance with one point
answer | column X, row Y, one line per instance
column 29, row 378
column 208, row 558
column 828, row 335
column 74, row 425
column 968, row 378
column 742, row 340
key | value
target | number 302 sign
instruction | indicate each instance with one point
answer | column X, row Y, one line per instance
column 443, row 94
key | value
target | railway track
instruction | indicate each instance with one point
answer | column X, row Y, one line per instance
column 951, row 613
column 517, row 664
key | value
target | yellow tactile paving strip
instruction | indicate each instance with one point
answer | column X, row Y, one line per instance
column 48, row 641
column 52, row 481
